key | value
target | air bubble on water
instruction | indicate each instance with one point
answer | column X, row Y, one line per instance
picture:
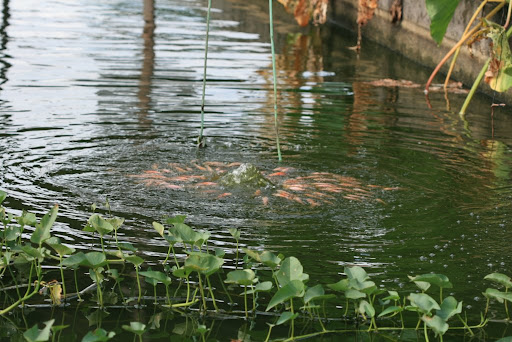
column 490, row 265
column 468, row 307
column 471, row 214
column 423, row 258
column 445, row 266
column 462, row 248
column 436, row 246
column 445, row 245
column 463, row 236
column 502, row 263
column 458, row 221
column 400, row 285
column 476, row 299
column 399, row 256
column 432, row 255
column 452, row 256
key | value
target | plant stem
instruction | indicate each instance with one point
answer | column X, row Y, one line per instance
column 245, row 302
column 211, row 292
column 459, row 43
column 76, row 285
column 138, row 283
column 474, row 87
column 274, row 77
column 200, row 138
column 202, row 292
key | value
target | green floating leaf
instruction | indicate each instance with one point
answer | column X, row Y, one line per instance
column 27, row 219
column 393, row 295
column 286, row 316
column 436, row 323
column 340, row 286
column 434, row 279
column 159, row 228
column 423, row 302
column 366, row 308
column 498, row 295
column 391, row 310
column 74, row 260
column 126, row 246
column 94, row 260
column 35, row 335
column 158, row 276
column 294, row 288
column 354, row 294
column 499, row 278
column 261, row 287
column 176, row 219
column 203, row 263
column 440, row 13
column 291, row 269
column 135, row 327
column 449, row 308
column 42, row 231
column 54, row 242
column 98, row 335
column 100, row 225
column 241, row 277
column 134, row 259
column 316, row 292
column 356, row 272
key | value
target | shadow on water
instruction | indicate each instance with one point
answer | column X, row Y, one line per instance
column 92, row 101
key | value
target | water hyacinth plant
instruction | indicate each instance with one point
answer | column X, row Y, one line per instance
column 274, row 282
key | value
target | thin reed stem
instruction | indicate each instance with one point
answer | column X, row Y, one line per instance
column 200, row 138
column 274, row 77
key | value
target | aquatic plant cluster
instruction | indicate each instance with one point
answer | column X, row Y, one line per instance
column 207, row 283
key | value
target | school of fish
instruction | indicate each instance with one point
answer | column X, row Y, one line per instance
column 314, row 189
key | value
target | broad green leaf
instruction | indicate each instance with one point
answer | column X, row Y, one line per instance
column 505, row 339
column 94, row 259
column 34, row 253
column 366, row 308
column 135, row 327
column 498, row 295
column 286, row 316
column 35, row 335
column 291, row 269
column 182, row 272
column 159, row 228
column 295, row 288
column 176, row 219
column 316, row 292
column 423, row 302
column 157, row 275
column 356, row 272
column 393, row 295
column 435, row 279
column 98, row 335
column 440, row 13
column 354, row 294
column 116, row 222
column 134, row 259
column 12, row 233
column 269, row 259
column 101, row 225
column 54, row 242
column 126, row 246
column 436, row 323
column 235, row 233
column 203, row 263
column 241, row 277
column 42, row 231
column 391, row 310
column 74, row 260
column 449, row 308
column 261, row 287
column 499, row 278
column 340, row 286
column 220, row 252
column 27, row 219
column 252, row 254
column 3, row 196
column 96, row 275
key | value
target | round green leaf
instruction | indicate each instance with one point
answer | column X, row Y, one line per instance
column 295, row 288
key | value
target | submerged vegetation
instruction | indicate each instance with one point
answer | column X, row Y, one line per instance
column 195, row 280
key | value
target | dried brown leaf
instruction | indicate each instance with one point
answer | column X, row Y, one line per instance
column 365, row 11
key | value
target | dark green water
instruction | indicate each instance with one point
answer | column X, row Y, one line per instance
column 86, row 101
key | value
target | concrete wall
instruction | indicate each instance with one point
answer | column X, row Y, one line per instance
column 411, row 36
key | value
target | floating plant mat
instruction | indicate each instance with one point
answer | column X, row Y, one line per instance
column 220, row 180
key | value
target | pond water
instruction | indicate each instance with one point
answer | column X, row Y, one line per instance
column 87, row 102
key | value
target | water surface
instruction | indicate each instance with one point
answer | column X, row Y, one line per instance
column 87, row 100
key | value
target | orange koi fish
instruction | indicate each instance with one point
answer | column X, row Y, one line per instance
column 224, row 195
column 280, row 173
column 312, row 202
column 264, row 200
column 206, row 184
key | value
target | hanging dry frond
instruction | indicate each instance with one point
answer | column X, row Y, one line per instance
column 365, row 11
column 396, row 11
